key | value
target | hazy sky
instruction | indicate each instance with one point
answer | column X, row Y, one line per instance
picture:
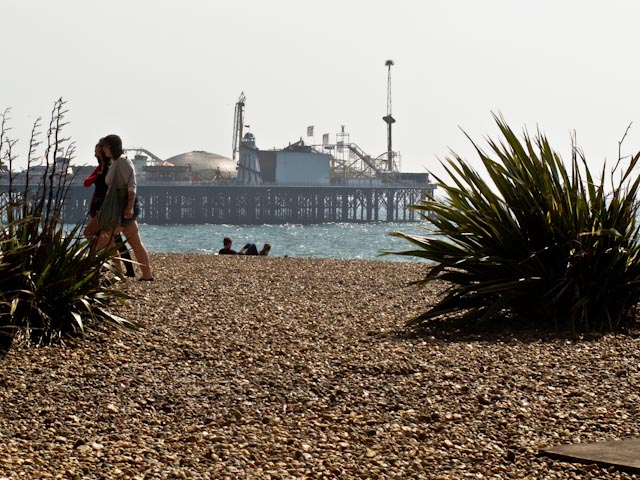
column 165, row 75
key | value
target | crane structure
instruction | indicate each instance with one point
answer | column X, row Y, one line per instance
column 245, row 153
column 388, row 118
column 238, row 124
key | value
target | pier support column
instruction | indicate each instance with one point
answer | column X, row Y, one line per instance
column 369, row 205
column 295, row 208
column 321, row 205
column 334, row 207
column 345, row 206
column 391, row 205
column 251, row 207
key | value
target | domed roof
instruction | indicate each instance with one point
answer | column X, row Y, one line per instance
column 201, row 161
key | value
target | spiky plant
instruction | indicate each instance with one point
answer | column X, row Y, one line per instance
column 52, row 284
column 537, row 243
column 61, row 289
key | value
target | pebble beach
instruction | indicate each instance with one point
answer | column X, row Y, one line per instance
column 296, row 368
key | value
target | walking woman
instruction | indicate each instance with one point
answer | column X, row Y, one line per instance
column 100, row 190
column 121, row 172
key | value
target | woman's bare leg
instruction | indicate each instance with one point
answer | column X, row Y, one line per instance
column 139, row 250
column 106, row 240
column 124, row 254
column 92, row 228
column 103, row 240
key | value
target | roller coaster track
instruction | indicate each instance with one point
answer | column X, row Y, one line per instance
column 145, row 151
column 378, row 166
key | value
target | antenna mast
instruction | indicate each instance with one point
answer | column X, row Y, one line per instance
column 388, row 118
column 238, row 123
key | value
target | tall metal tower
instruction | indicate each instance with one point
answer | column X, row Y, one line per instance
column 388, row 118
column 238, row 123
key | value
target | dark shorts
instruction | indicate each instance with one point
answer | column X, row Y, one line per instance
column 136, row 211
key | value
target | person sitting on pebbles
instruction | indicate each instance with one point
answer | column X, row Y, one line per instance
column 227, row 250
column 265, row 249
column 251, row 249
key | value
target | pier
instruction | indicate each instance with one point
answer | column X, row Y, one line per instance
column 262, row 204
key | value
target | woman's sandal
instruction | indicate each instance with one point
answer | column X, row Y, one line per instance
column 142, row 279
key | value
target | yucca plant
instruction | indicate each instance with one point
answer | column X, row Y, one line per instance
column 537, row 242
column 61, row 288
column 9, row 275
column 52, row 282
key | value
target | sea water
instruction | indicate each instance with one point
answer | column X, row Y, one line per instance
column 331, row 240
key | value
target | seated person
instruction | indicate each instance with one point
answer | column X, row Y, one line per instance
column 227, row 250
column 265, row 250
column 249, row 249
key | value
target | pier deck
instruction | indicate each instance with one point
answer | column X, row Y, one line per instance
column 257, row 205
